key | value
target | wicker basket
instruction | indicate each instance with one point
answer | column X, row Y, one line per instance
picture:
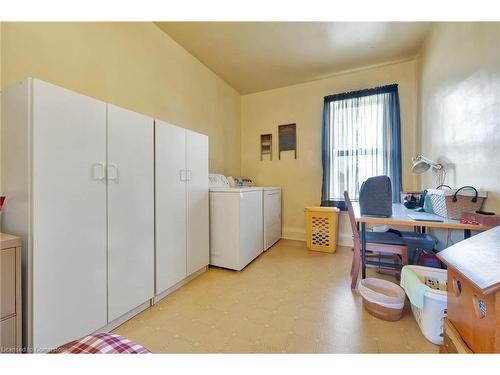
column 452, row 203
column 382, row 299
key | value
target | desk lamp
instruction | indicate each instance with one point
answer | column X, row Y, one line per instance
column 422, row 164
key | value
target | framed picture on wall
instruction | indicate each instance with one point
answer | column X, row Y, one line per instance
column 287, row 137
column 266, row 146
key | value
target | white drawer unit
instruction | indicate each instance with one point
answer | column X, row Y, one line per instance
column 10, row 294
column 8, row 335
column 8, row 282
column 272, row 216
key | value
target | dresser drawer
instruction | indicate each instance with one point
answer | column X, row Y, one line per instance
column 7, row 282
column 8, row 335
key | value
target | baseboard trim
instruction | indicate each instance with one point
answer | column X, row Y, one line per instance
column 122, row 319
column 296, row 235
column 344, row 239
column 172, row 289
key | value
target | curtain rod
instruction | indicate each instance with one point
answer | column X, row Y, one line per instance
column 364, row 92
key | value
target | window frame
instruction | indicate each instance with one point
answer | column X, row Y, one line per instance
column 394, row 124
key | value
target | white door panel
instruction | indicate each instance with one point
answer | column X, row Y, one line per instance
column 69, row 215
column 130, row 210
column 251, row 227
column 197, row 201
column 170, row 164
column 272, row 218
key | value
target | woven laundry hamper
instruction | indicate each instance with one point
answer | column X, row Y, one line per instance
column 321, row 228
column 382, row 299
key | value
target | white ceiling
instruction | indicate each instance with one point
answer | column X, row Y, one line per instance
column 257, row 56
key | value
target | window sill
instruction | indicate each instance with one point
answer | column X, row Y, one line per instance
column 340, row 204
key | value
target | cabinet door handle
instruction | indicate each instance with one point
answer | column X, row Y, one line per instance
column 112, row 172
column 185, row 175
column 98, row 171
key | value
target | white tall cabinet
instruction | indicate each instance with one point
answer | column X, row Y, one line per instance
column 170, row 165
column 182, row 231
column 79, row 180
column 53, row 174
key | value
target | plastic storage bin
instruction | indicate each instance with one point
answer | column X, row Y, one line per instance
column 321, row 228
column 431, row 318
column 383, row 299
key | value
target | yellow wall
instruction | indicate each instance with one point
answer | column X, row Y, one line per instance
column 133, row 65
column 303, row 104
column 460, row 104
column 137, row 66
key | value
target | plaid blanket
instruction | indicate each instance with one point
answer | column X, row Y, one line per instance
column 101, row 343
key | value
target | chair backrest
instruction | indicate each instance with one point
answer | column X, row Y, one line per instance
column 375, row 197
column 352, row 219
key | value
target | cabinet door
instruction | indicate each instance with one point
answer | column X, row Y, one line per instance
column 170, row 165
column 69, row 215
column 197, row 201
column 272, row 218
column 130, row 210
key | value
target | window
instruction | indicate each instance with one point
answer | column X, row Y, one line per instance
column 361, row 139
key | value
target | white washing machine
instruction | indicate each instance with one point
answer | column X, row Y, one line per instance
column 272, row 215
column 271, row 209
column 236, row 217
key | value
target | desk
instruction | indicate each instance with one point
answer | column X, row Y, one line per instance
column 400, row 218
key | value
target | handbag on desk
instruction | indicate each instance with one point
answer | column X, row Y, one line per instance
column 452, row 203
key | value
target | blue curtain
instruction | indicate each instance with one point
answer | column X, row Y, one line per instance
column 361, row 138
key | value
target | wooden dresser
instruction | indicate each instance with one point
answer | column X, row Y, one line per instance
column 473, row 318
column 10, row 293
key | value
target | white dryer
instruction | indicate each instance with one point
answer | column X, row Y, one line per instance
column 236, row 230
column 272, row 216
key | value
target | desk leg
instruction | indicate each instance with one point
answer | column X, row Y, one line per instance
column 363, row 250
column 467, row 233
column 419, row 229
